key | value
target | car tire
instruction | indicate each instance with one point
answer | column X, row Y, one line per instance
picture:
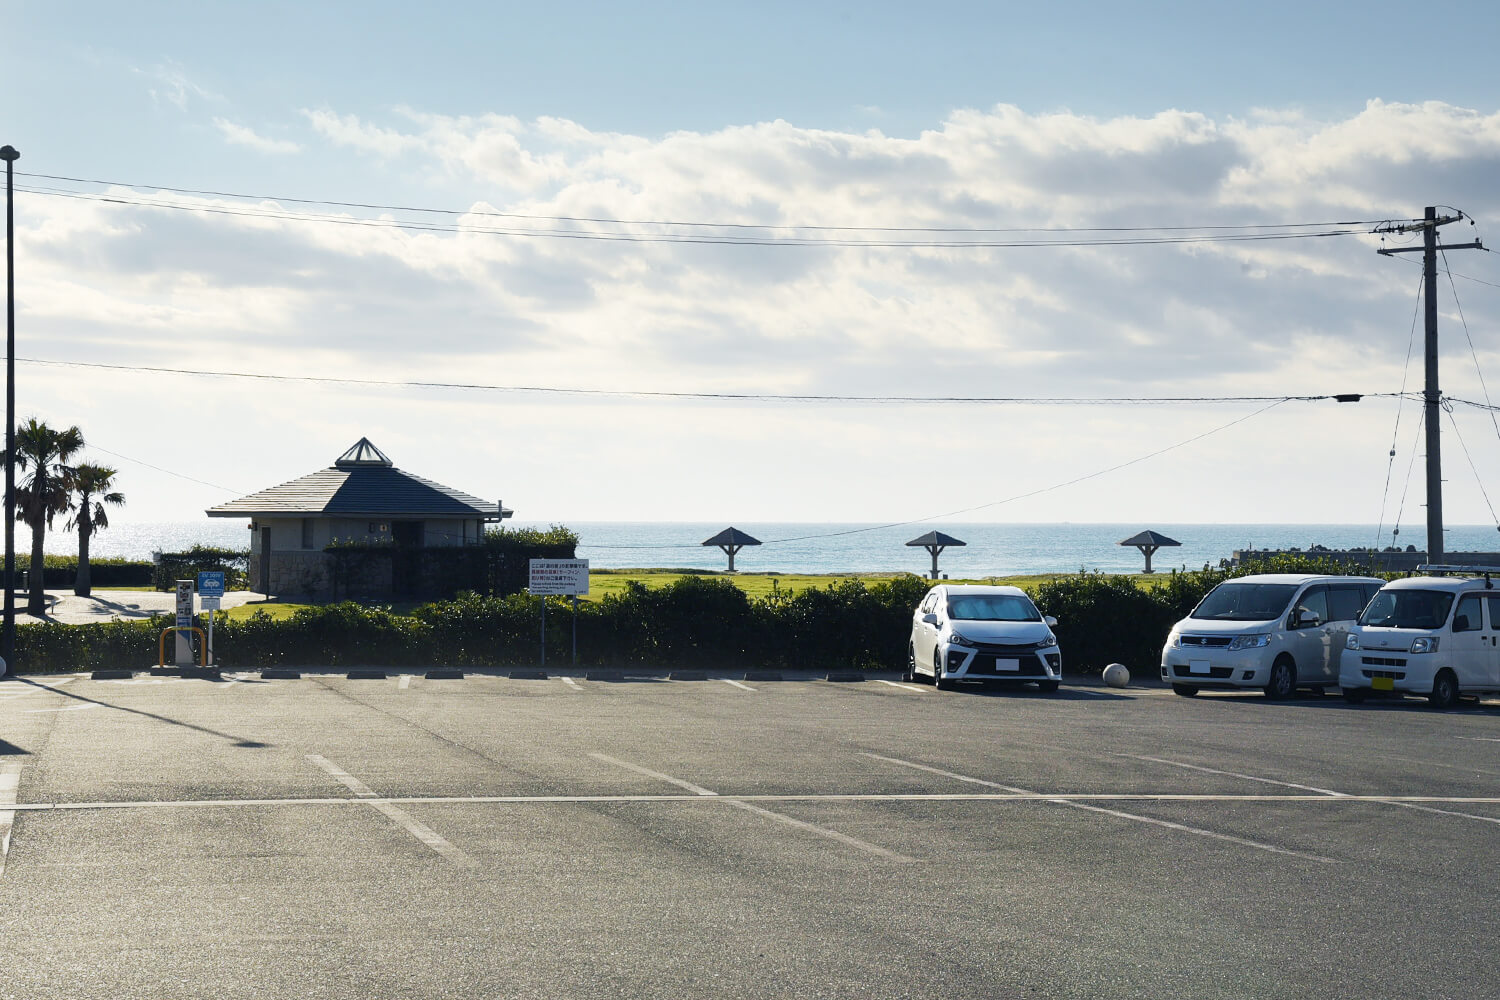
column 1356, row 696
column 1444, row 690
column 1046, row 687
column 938, row 681
column 1186, row 690
column 1283, row 680
column 911, row 664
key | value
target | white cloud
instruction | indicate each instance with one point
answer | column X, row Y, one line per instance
column 170, row 84
column 138, row 285
column 242, row 135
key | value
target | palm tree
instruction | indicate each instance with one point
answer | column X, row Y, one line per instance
column 45, row 493
column 91, row 484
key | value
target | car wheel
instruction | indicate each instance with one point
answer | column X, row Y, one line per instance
column 1356, row 696
column 911, row 664
column 938, row 680
column 1046, row 687
column 1186, row 690
column 1283, row 682
column 1444, row 690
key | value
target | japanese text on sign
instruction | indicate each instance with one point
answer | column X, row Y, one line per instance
column 559, row 576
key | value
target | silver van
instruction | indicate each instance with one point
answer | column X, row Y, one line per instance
column 1276, row 632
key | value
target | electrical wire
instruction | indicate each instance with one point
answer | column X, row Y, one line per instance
column 715, row 225
column 994, row 503
column 757, row 397
column 1396, row 431
column 1484, row 492
column 1494, row 419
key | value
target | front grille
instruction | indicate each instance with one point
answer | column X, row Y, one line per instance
column 1213, row 641
column 1214, row 673
column 1395, row 675
column 1382, row 661
column 1004, row 649
column 984, row 664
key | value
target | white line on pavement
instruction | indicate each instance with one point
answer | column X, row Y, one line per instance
column 570, row 682
column 1230, row 774
column 1110, row 812
column 903, row 687
column 68, row 708
column 395, row 813
column 404, row 682
column 10, row 782
column 742, row 687
column 740, row 803
column 688, row 785
column 1480, row 739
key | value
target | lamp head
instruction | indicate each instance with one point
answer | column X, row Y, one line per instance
column 9, row 154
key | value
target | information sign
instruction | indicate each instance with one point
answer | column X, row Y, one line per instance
column 559, row 576
column 211, row 584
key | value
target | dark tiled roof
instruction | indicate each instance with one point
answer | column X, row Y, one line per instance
column 358, row 491
column 1150, row 538
column 732, row 536
column 936, row 538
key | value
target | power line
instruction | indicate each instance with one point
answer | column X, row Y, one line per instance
column 604, row 220
column 994, row 503
column 758, row 397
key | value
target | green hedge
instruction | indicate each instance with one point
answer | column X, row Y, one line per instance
column 174, row 566
column 694, row 621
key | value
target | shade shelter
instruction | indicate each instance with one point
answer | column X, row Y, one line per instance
column 731, row 540
column 1148, row 542
column 935, row 542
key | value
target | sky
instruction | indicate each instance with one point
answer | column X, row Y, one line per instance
column 578, row 256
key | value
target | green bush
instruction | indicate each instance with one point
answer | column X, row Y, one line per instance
column 174, row 566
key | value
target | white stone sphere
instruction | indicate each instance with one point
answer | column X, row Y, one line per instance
column 1116, row 675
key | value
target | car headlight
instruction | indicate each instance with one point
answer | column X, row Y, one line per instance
column 1250, row 641
column 1352, row 642
column 1426, row 644
column 1051, row 640
column 958, row 639
column 1175, row 640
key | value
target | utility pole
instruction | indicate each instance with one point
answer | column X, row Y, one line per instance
column 1431, row 397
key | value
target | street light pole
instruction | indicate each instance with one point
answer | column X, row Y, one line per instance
column 8, row 639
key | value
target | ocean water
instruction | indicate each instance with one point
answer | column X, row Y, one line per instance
column 991, row 549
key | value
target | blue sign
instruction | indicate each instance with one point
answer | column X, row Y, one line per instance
column 211, row 583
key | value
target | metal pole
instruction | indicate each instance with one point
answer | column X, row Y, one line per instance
column 575, row 630
column 1430, row 392
column 544, row 630
column 8, row 639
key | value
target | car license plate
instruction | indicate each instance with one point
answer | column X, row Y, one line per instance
column 1383, row 683
column 1198, row 666
column 1007, row 664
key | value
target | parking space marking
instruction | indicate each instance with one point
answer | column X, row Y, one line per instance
column 395, row 813
column 404, row 682
column 742, row 687
column 903, row 687
column 741, row 803
column 1230, row 774
column 570, row 682
column 66, row 708
column 1480, row 739
column 1133, row 817
column 638, row 769
column 10, row 783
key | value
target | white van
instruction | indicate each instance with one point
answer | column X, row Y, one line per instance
column 1276, row 632
column 1433, row 635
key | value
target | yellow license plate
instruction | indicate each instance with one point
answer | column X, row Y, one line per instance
column 1383, row 683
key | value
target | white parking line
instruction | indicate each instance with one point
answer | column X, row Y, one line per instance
column 1230, row 774
column 394, row 813
column 740, row 803
column 404, row 682
column 10, row 782
column 68, row 708
column 903, row 687
column 570, row 682
column 1480, row 739
column 1109, row 812
column 688, row 785
column 742, row 687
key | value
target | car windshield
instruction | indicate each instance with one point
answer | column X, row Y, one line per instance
column 1424, row 609
column 992, row 608
column 1245, row 602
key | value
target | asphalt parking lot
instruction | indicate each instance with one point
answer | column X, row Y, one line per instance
column 490, row 837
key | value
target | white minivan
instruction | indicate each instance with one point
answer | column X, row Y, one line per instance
column 1275, row 631
column 1437, row 636
column 974, row 633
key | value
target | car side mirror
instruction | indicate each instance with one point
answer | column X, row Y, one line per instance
column 1051, row 622
column 1304, row 618
column 929, row 619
